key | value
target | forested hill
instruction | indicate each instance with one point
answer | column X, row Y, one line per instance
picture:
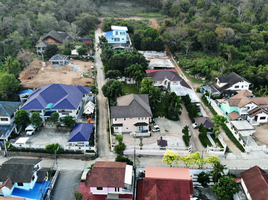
column 223, row 36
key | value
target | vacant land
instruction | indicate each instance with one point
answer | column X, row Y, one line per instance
column 76, row 73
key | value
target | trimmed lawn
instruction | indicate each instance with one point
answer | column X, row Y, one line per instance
column 159, row 109
column 129, row 89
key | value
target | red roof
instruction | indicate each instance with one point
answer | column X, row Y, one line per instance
column 256, row 181
column 87, row 195
column 107, row 174
column 163, row 183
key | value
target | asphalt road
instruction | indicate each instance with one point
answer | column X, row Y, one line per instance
column 66, row 185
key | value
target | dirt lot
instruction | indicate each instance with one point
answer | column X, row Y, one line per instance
column 261, row 134
column 69, row 74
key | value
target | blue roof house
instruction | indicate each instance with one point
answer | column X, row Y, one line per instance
column 7, row 113
column 117, row 35
column 21, row 177
column 82, row 135
column 61, row 98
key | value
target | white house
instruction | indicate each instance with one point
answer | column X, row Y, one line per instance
column 117, row 35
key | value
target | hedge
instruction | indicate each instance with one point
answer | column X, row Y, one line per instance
column 204, row 140
column 186, row 140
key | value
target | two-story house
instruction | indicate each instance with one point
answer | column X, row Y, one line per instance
column 165, row 183
column 228, row 85
column 67, row 100
column 7, row 114
column 110, row 180
column 117, row 35
column 132, row 113
column 53, row 37
column 244, row 105
column 21, row 177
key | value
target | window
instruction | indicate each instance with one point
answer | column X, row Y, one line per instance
column 174, row 81
column 122, row 33
column 115, row 119
column 116, row 32
column 112, row 38
column 99, row 188
column 242, row 86
column 20, row 184
column 127, row 128
column 145, row 118
column 237, row 86
column 262, row 118
column 117, row 39
column 122, row 38
column 125, row 119
column 139, row 118
column 116, row 189
column 115, row 128
column 4, row 119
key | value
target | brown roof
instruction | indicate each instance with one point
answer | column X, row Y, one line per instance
column 256, row 111
column 107, row 174
column 256, row 181
column 234, row 115
column 8, row 183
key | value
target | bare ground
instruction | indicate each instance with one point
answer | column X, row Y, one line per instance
column 261, row 134
column 40, row 76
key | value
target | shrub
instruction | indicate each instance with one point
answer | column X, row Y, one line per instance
column 51, row 148
column 198, row 89
column 120, row 158
column 203, row 178
column 232, row 138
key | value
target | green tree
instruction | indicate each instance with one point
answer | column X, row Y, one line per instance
column 120, row 147
column 132, row 69
column 217, row 171
column 13, row 66
column 50, row 51
column 51, row 148
column 226, row 188
column 69, row 121
column 147, row 43
column 47, row 22
column 54, row 118
column 174, row 106
column 203, row 178
column 154, row 93
column 112, row 89
column 170, row 157
column 207, row 39
column 186, row 137
column 218, row 121
column 9, row 86
column 82, row 51
column 137, row 41
column 94, row 90
column 120, row 158
column 36, row 120
column 159, row 44
column 22, row 118
column 113, row 74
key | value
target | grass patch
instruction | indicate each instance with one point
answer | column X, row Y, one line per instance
column 204, row 140
column 192, row 79
column 152, row 15
column 160, row 109
column 129, row 89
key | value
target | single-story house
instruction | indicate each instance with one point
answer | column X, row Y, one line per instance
column 82, row 134
column 61, row 98
column 132, row 113
column 59, row 60
column 206, row 121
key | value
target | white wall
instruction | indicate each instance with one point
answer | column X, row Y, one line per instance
column 240, row 86
column 128, row 123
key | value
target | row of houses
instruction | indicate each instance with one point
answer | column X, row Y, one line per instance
column 116, row 180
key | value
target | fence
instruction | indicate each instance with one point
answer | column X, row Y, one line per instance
column 216, row 150
column 53, row 181
column 159, row 151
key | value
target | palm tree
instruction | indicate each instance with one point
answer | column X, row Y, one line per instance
column 132, row 70
column 217, row 171
column 174, row 104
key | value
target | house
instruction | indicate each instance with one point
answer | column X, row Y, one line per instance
column 132, row 113
column 228, row 85
column 58, row 60
column 207, row 123
column 247, row 106
column 21, row 177
column 164, row 183
column 82, row 135
column 108, row 180
column 117, row 35
column 24, row 95
column 255, row 183
column 7, row 122
column 67, row 100
column 53, row 37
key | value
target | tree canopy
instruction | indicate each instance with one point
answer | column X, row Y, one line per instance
column 22, row 118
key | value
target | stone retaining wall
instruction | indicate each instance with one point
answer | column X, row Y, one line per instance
column 89, row 156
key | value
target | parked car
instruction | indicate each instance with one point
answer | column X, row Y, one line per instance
column 195, row 125
column 84, row 175
column 156, row 128
column 30, row 129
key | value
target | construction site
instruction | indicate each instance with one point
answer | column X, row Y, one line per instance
column 76, row 72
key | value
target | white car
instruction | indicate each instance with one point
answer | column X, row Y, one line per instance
column 195, row 125
column 156, row 128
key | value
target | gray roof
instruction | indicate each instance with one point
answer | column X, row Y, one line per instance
column 132, row 105
column 58, row 57
column 19, row 170
column 7, row 108
column 164, row 74
column 207, row 123
column 57, row 35
column 41, row 44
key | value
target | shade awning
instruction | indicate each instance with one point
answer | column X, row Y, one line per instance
column 141, row 124
column 117, row 125
column 22, row 140
column 162, row 143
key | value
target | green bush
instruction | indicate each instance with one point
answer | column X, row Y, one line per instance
column 51, row 148
column 198, row 89
column 186, row 140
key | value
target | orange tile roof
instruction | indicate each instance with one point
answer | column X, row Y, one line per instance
column 167, row 173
